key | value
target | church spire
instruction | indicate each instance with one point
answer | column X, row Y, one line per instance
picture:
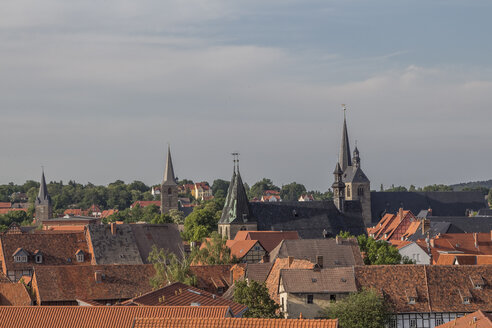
column 43, row 195
column 338, row 188
column 42, row 203
column 344, row 157
column 169, row 178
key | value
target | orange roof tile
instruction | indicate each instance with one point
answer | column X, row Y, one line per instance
column 212, row 277
column 5, row 205
column 234, row 323
column 14, row 294
column 239, row 248
column 177, row 294
column 6, row 210
column 476, row 319
column 106, row 213
column 268, row 239
column 399, row 243
column 98, row 316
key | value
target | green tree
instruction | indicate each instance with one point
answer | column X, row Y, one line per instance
column 169, row 268
column 345, row 234
column 201, row 222
column 490, row 198
column 437, row 187
column 364, row 309
column 378, row 252
column 292, row 191
column 396, row 189
column 215, row 251
column 220, row 187
column 260, row 187
column 255, row 296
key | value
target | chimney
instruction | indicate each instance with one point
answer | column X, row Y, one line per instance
column 425, row 223
column 432, row 242
column 490, row 235
column 400, row 213
column 291, row 259
column 429, row 210
column 98, row 276
column 338, row 240
column 113, row 228
column 475, row 238
column 266, row 258
column 319, row 261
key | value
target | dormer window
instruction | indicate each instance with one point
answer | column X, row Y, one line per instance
column 477, row 282
column 411, row 295
column 466, row 296
column 466, row 300
column 411, row 300
column 79, row 256
column 39, row 258
column 20, row 256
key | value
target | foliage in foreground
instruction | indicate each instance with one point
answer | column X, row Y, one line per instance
column 255, row 296
column 169, row 268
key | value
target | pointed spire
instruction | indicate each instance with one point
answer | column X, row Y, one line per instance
column 344, row 156
column 169, row 178
column 43, row 196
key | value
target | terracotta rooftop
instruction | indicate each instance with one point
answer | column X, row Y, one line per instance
column 330, row 280
column 463, row 259
column 14, row 294
column 439, row 288
column 57, row 248
column 268, row 239
column 476, row 319
column 239, row 248
column 234, row 323
column 464, row 243
column 5, row 205
column 98, row 316
column 69, row 283
column 6, row 210
column 212, row 277
column 145, row 203
column 178, row 294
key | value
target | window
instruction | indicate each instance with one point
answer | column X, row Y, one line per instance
column 333, row 298
column 310, row 299
column 360, row 191
column 413, row 323
column 393, row 323
column 466, row 300
column 411, row 300
column 39, row 258
column 80, row 257
column 348, row 191
column 257, row 248
column 20, row 258
column 439, row 320
column 169, row 191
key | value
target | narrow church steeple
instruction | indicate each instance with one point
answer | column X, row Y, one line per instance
column 42, row 203
column 338, row 188
column 344, row 157
column 169, row 187
column 236, row 214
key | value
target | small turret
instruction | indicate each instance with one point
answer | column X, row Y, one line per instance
column 338, row 188
column 356, row 157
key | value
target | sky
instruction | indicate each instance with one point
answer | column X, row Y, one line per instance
column 95, row 90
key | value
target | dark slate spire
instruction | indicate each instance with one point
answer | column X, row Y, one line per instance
column 43, row 196
column 169, row 178
column 236, row 208
column 344, row 157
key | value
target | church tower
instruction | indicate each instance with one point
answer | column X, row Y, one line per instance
column 357, row 185
column 169, row 187
column 338, row 189
column 236, row 214
column 43, row 202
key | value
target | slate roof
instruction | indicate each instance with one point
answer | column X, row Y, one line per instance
column 43, row 196
column 354, row 174
column 165, row 236
column 98, row 316
column 234, row 323
column 465, row 223
column 485, row 212
column 439, row 288
column 258, row 271
column 435, row 229
column 268, row 239
column 178, row 294
column 453, row 203
column 169, row 178
column 331, row 280
column 309, row 219
column 236, row 207
column 69, row 283
column 14, row 294
column 57, row 248
column 347, row 253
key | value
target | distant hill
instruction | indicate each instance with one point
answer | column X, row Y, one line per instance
column 472, row 185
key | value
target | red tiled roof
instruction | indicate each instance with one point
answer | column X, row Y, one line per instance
column 476, row 319
column 106, row 213
column 239, row 248
column 5, row 205
column 6, row 210
column 145, row 203
column 75, row 212
column 14, row 294
column 57, row 248
column 234, row 323
column 98, row 316
column 211, row 277
column 181, row 294
column 268, row 239
column 463, row 259
column 69, row 283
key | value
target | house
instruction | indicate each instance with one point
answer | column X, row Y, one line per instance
column 145, row 203
column 309, row 291
column 477, row 319
column 100, row 316
column 250, row 272
column 270, row 198
column 105, row 284
column 233, row 323
column 268, row 239
column 463, row 259
column 443, row 204
column 333, row 251
column 131, row 243
column 178, row 294
column 106, row 213
column 214, row 279
column 394, row 226
column 306, row 198
column 14, row 294
column 20, row 253
column 247, row 251
column 69, row 222
column 7, row 210
column 428, row 295
column 201, row 190
column 155, row 191
column 412, row 250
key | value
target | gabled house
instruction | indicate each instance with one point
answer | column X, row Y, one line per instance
column 214, row 279
column 393, row 226
column 477, row 319
column 412, row 250
column 14, row 294
column 307, row 292
column 247, row 251
column 268, row 239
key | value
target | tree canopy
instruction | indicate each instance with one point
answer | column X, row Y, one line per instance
column 364, row 309
column 215, row 251
column 220, row 187
column 257, row 190
column 202, row 221
column 378, row 252
column 292, row 191
column 169, row 268
column 255, row 296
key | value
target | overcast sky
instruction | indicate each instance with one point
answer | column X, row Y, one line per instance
column 94, row 90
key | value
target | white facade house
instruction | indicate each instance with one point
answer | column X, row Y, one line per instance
column 414, row 252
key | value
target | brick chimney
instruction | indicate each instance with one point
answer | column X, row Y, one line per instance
column 475, row 239
column 113, row 228
column 432, row 242
column 425, row 223
column 319, row 261
column 291, row 259
column 98, row 276
column 400, row 213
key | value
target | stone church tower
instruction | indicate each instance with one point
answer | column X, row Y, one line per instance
column 169, row 187
column 236, row 215
column 357, row 185
column 42, row 203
